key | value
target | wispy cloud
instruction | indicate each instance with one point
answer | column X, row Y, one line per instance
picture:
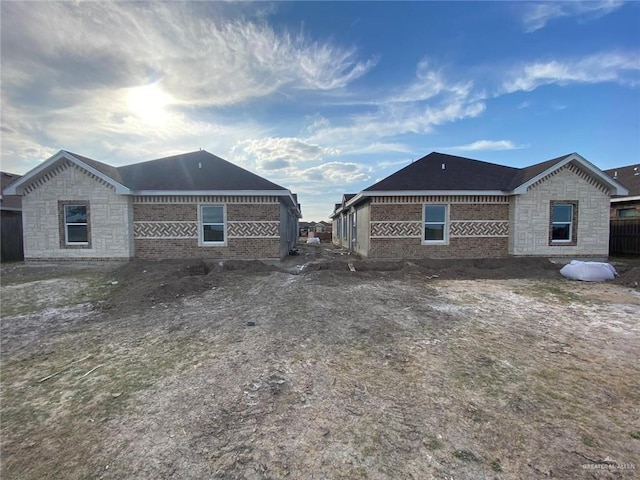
column 429, row 100
column 277, row 153
column 537, row 15
column 379, row 147
column 335, row 173
column 196, row 59
column 56, row 82
column 618, row 67
column 487, row 145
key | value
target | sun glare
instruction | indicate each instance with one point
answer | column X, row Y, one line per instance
column 149, row 103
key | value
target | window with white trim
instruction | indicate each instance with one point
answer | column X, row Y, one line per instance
column 345, row 226
column 435, row 224
column 212, row 225
column 354, row 227
column 562, row 222
column 76, row 229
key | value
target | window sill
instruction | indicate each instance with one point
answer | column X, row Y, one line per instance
column 212, row 244
column 435, row 242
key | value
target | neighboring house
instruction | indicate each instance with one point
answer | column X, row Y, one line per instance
column 624, row 236
column 444, row 206
column 11, row 221
column 323, row 227
column 626, row 206
column 194, row 205
column 340, row 224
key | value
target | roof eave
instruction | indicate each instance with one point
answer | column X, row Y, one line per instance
column 625, row 199
column 250, row 193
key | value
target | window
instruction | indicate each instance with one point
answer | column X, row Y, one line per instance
column 435, row 224
column 76, row 229
column 562, row 222
column 354, row 226
column 212, row 222
column 345, row 227
column 626, row 212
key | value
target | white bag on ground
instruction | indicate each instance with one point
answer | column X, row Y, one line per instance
column 588, row 271
column 313, row 240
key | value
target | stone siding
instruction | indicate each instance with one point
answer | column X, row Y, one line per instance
column 531, row 216
column 110, row 217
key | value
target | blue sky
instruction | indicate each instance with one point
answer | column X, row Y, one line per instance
column 323, row 98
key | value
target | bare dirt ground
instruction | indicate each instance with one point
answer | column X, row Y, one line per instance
column 304, row 369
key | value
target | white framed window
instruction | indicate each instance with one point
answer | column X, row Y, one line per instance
column 562, row 222
column 76, row 227
column 345, row 226
column 213, row 228
column 435, row 224
column 354, row 226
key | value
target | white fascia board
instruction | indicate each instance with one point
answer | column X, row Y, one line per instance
column 17, row 187
column 625, row 199
column 616, row 188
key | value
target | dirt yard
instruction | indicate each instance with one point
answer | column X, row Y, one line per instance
column 307, row 370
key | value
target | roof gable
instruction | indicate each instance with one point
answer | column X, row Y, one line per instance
column 539, row 171
column 93, row 167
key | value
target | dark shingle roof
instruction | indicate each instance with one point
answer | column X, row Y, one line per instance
column 192, row 171
column 628, row 176
column 439, row 171
column 527, row 173
column 459, row 173
column 107, row 170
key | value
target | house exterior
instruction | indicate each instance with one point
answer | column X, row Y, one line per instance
column 626, row 206
column 444, row 206
column 11, row 221
column 194, row 205
column 624, row 237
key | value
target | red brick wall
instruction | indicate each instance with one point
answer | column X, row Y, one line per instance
column 236, row 248
column 459, row 247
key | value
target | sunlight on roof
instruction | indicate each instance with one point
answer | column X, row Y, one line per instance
column 149, row 103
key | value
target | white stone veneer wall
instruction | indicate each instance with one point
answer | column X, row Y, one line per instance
column 529, row 217
column 110, row 217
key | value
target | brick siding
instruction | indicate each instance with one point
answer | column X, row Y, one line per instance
column 236, row 248
column 476, row 239
column 468, row 247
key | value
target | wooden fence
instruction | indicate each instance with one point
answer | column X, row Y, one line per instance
column 11, row 236
column 624, row 237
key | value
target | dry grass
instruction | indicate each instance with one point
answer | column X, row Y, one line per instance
column 343, row 376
